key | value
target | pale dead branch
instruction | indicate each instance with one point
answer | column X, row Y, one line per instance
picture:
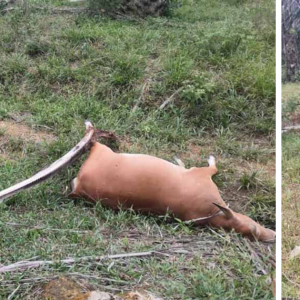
column 25, row 265
column 288, row 128
column 145, row 89
column 256, row 259
column 290, row 280
column 13, row 293
column 170, row 99
column 45, row 228
column 203, row 219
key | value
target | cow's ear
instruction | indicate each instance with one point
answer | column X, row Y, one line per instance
column 225, row 210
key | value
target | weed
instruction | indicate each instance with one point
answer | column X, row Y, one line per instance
column 37, row 48
column 249, row 181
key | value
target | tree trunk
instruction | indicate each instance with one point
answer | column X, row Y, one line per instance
column 290, row 55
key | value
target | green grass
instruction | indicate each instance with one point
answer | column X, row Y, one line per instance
column 290, row 187
column 58, row 70
column 291, row 210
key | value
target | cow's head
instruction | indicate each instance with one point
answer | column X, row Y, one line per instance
column 244, row 225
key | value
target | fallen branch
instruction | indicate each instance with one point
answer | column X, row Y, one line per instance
column 256, row 259
column 142, row 96
column 44, row 228
column 25, row 265
column 288, row 128
column 170, row 99
column 202, row 219
column 13, row 293
column 42, row 279
column 290, row 280
column 5, row 10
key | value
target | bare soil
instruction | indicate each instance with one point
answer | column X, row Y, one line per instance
column 18, row 131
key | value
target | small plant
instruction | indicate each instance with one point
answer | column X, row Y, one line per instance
column 249, row 181
column 37, row 48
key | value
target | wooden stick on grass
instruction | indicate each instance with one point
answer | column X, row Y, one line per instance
column 170, row 99
column 24, row 265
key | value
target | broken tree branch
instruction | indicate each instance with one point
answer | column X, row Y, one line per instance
column 288, row 128
column 25, row 265
column 13, row 293
column 170, row 99
column 204, row 218
column 145, row 89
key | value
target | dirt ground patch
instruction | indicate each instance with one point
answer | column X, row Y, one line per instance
column 10, row 130
column 69, row 289
column 17, row 130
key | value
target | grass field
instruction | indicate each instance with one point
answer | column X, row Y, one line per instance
column 290, row 187
column 57, row 70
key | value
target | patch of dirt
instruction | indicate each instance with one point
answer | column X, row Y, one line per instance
column 69, row 289
column 127, row 146
column 63, row 288
column 293, row 120
column 236, row 199
column 10, row 129
column 17, row 130
column 196, row 152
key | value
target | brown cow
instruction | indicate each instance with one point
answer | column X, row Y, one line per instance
column 150, row 184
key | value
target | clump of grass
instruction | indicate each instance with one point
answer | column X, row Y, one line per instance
column 250, row 180
column 291, row 212
column 290, row 107
column 37, row 48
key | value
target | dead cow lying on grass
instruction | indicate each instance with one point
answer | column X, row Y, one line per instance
column 148, row 184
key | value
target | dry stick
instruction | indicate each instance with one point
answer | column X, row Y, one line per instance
column 8, row 9
column 144, row 90
column 256, row 259
column 29, row 280
column 35, row 264
column 204, row 218
column 13, row 293
column 294, row 127
column 170, row 99
column 45, row 228
column 290, row 280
